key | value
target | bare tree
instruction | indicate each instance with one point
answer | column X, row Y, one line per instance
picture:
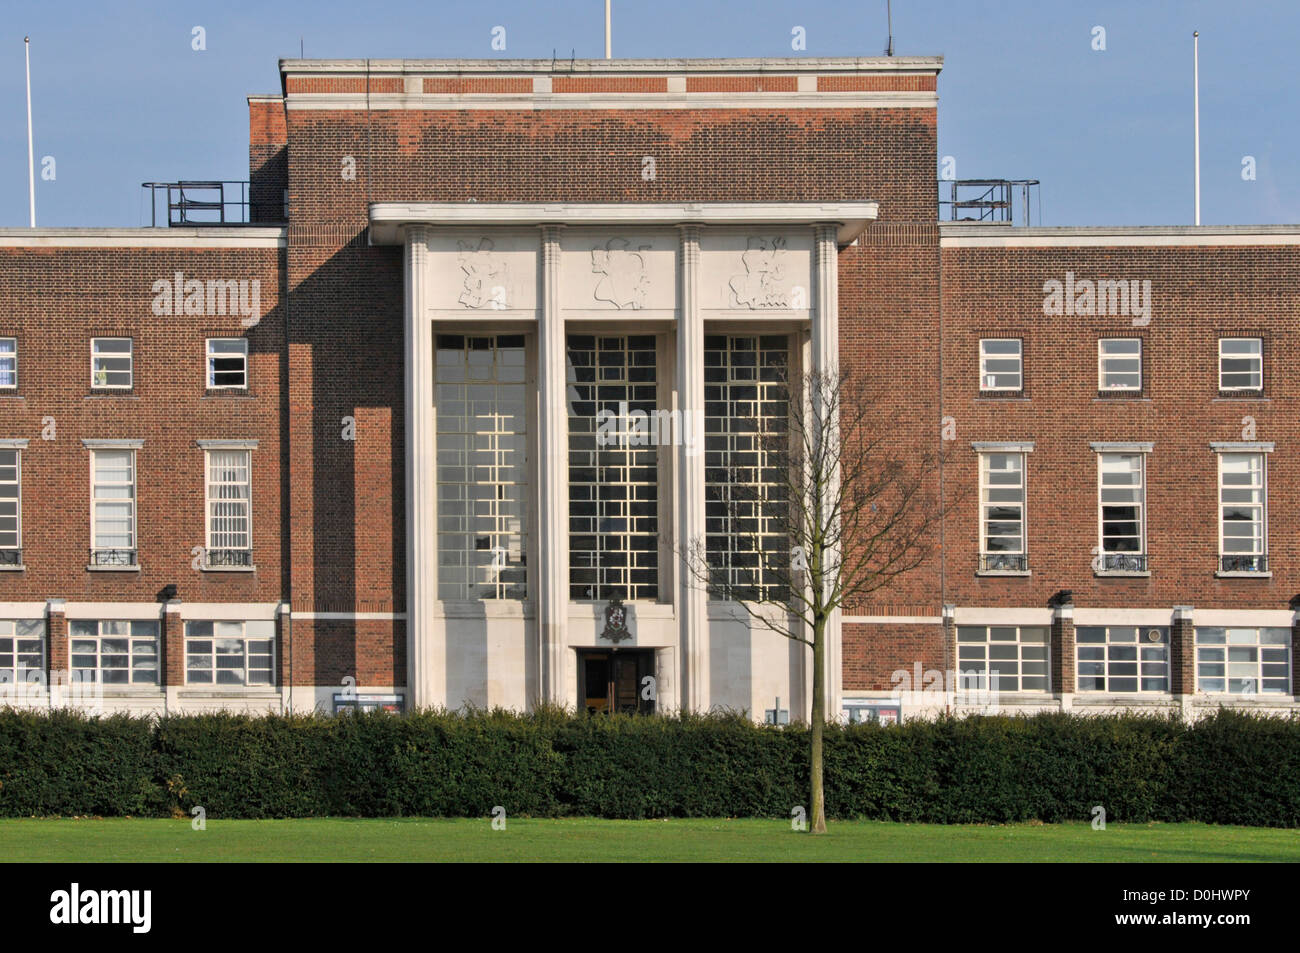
column 816, row 501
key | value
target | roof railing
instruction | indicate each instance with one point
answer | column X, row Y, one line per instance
column 987, row 200
column 194, row 203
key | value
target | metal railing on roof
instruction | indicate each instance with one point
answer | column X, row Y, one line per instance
column 218, row 202
column 986, row 200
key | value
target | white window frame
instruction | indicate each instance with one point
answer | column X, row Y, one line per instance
column 210, row 532
column 1206, row 655
column 985, row 376
column 213, row 357
column 1140, row 642
column 130, row 371
column 7, row 354
column 1103, row 358
column 973, row 673
column 986, row 452
column 133, row 548
column 10, row 669
column 1262, row 550
column 131, row 637
column 213, row 637
column 1141, row 551
column 18, row 497
column 1258, row 358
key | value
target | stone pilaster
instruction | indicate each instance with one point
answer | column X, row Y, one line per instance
column 553, row 480
column 825, row 360
column 692, row 595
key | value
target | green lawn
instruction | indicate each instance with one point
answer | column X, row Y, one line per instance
column 585, row 839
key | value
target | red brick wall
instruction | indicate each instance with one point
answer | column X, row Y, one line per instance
column 873, row 652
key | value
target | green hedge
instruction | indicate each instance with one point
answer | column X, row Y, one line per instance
column 1231, row 768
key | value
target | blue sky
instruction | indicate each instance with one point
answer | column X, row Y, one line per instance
column 120, row 97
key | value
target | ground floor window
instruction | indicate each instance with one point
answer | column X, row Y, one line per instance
column 227, row 653
column 1122, row 659
column 1244, row 661
column 1005, row 658
column 114, row 652
column 22, row 649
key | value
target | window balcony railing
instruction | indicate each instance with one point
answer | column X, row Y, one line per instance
column 11, row 557
column 229, row 558
column 112, row 557
column 1004, row 562
column 1243, row 562
column 1123, row 562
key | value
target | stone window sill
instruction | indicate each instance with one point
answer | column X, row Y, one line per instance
column 1123, row 573
column 1221, row 574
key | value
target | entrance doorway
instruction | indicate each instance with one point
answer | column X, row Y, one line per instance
column 613, row 680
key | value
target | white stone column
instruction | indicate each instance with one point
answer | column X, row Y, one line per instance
column 826, row 360
column 552, row 480
column 692, row 596
column 421, row 479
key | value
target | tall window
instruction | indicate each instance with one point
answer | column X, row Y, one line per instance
column 112, row 508
column 11, row 508
column 110, row 364
column 1241, row 364
column 1002, row 512
column 114, row 652
column 1242, row 513
column 227, row 363
column 1001, row 364
column 8, row 363
column 1119, row 364
column 1243, row 661
column 482, row 467
column 746, row 407
column 230, row 527
column 613, row 468
column 22, row 650
column 1122, row 510
column 1122, row 659
column 227, row 653
column 1015, row 655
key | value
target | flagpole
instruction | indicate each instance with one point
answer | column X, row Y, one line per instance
column 608, row 53
column 1196, row 106
column 31, row 165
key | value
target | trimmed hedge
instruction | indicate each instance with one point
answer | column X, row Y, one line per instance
column 1230, row 768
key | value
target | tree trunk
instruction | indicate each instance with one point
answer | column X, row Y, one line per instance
column 818, row 811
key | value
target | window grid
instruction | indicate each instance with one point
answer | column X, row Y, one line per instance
column 229, row 503
column 1241, row 364
column 22, row 650
column 113, row 507
column 221, row 653
column 1243, row 661
column 482, row 467
column 1119, row 364
column 1017, row 655
column 1121, row 502
column 8, row 363
column 1001, row 364
column 1002, row 510
column 11, row 502
column 613, row 489
column 1242, row 512
column 114, row 652
column 746, row 405
column 227, row 363
column 111, row 365
column 1122, row 659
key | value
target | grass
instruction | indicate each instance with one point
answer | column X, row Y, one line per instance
column 586, row 839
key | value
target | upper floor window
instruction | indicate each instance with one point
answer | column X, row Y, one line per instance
column 8, row 363
column 1241, row 364
column 11, row 508
column 1122, row 511
column 1119, row 365
column 114, row 652
column 1002, row 512
column 230, row 518
column 110, row 364
column 1243, row 513
column 112, row 507
column 1001, row 365
column 227, row 363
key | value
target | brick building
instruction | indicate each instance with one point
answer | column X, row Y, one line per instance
column 347, row 447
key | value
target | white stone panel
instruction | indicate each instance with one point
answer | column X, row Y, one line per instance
column 482, row 274
column 755, row 273
column 618, row 273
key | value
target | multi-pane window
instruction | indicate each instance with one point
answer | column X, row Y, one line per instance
column 22, row 650
column 8, row 363
column 227, row 363
column 1002, row 511
column 112, row 507
column 1122, row 510
column 110, row 364
column 746, row 409
column 1241, row 364
column 1119, row 364
column 11, row 508
column 230, row 528
column 228, row 653
column 1004, row 658
column 1243, row 661
column 1001, row 364
column 1122, row 658
column 1242, row 514
column 613, row 468
column 482, row 393
column 114, row 652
